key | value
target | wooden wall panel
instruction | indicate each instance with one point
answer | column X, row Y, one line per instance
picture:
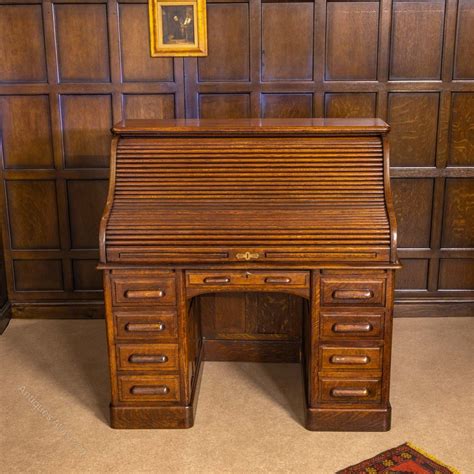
column 414, row 221
column 228, row 31
column 224, row 105
column 347, row 105
column 33, row 214
column 464, row 63
column 82, row 42
column 413, row 118
column 458, row 222
column 413, row 275
column 150, row 106
column 22, row 53
column 81, row 65
column 5, row 308
column 417, row 37
column 26, row 130
column 86, row 200
column 456, row 274
column 287, row 56
column 86, row 124
column 38, row 275
column 462, row 129
column 352, row 31
column 287, row 105
column 86, row 277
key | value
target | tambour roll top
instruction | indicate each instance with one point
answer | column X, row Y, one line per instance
column 249, row 190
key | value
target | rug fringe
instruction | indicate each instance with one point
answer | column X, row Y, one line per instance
column 429, row 456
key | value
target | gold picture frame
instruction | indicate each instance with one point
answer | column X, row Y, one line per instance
column 178, row 27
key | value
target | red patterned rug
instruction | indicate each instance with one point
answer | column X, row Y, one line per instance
column 405, row 459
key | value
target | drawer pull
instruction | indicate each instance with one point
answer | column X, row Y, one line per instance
column 349, row 392
column 149, row 390
column 139, row 327
column 217, row 280
column 277, row 280
column 148, row 359
column 352, row 294
column 144, row 294
column 356, row 327
column 352, row 360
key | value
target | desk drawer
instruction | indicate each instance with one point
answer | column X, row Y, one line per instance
column 260, row 279
column 361, row 390
column 145, row 324
column 134, row 290
column 147, row 356
column 360, row 323
column 148, row 388
column 352, row 291
column 351, row 358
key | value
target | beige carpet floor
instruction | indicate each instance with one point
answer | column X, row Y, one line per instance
column 54, row 408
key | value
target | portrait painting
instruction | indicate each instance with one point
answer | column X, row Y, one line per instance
column 178, row 28
column 178, row 24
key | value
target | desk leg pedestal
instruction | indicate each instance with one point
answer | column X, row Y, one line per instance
column 155, row 349
column 347, row 351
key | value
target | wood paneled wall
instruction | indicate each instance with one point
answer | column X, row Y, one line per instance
column 69, row 69
column 4, row 303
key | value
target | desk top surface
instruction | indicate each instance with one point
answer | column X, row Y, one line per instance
column 302, row 126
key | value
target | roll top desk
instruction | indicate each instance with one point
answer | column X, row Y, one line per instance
column 291, row 206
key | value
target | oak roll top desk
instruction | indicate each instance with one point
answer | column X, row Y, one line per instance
column 298, row 206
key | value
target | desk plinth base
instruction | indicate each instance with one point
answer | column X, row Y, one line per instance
column 140, row 417
column 317, row 419
column 348, row 419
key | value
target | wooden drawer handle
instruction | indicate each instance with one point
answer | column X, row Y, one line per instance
column 149, row 390
column 350, row 360
column 148, row 359
column 349, row 392
column 139, row 327
column 217, row 280
column 356, row 327
column 352, row 294
column 277, row 280
column 144, row 294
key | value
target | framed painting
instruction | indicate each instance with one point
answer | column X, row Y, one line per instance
column 178, row 28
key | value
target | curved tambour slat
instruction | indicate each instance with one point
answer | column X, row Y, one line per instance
column 319, row 195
